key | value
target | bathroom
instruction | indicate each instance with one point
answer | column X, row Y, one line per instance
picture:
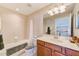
column 23, row 25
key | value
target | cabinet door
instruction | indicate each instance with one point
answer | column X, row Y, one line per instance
column 58, row 54
column 48, row 51
column 40, row 50
column 53, row 47
column 43, row 51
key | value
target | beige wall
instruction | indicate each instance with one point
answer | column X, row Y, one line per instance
column 13, row 26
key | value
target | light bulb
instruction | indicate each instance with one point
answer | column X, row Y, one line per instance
column 62, row 9
column 55, row 10
column 50, row 13
column 17, row 9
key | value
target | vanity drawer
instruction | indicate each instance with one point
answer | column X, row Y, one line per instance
column 53, row 47
column 40, row 42
column 48, row 45
column 57, row 48
column 70, row 52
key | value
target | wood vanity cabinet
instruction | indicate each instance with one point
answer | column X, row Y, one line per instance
column 48, row 49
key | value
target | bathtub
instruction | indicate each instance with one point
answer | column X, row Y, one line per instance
column 14, row 44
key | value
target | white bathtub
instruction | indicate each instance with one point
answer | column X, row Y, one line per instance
column 14, row 44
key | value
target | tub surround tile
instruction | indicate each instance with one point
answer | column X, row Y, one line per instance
column 16, row 49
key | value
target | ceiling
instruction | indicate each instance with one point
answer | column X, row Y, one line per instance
column 24, row 8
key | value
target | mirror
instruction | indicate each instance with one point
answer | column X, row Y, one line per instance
column 60, row 23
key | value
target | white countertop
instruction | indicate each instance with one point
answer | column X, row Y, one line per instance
column 61, row 41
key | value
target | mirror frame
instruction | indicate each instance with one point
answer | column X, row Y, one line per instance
column 77, row 20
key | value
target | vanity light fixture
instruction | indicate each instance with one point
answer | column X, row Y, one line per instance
column 56, row 10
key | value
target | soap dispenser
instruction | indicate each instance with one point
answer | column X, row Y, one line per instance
column 48, row 30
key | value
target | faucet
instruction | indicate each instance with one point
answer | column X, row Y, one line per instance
column 57, row 34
